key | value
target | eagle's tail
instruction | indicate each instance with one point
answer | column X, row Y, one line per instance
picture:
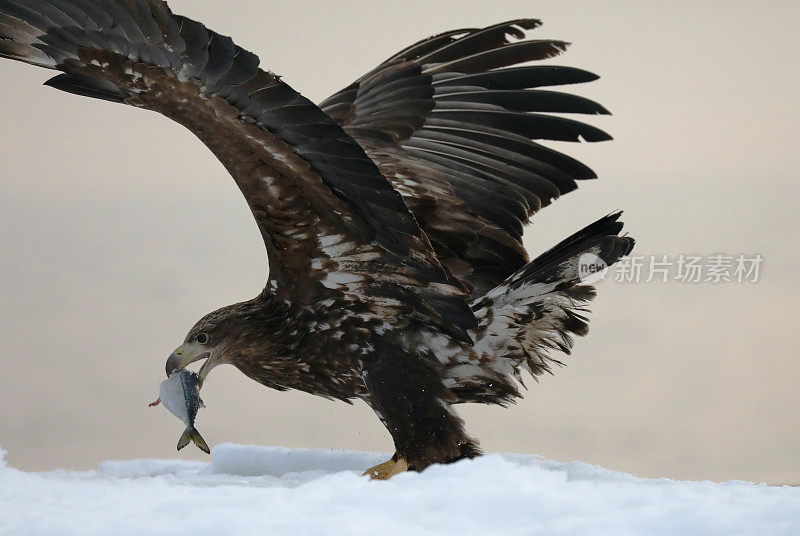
column 542, row 306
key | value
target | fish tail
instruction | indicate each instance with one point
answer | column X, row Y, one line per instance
column 184, row 439
column 191, row 434
column 199, row 441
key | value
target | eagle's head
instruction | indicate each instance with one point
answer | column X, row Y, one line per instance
column 242, row 331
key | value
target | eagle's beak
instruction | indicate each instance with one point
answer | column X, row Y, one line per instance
column 184, row 355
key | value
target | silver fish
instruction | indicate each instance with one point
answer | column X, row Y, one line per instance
column 180, row 394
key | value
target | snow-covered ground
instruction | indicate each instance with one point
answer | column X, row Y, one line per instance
column 273, row 490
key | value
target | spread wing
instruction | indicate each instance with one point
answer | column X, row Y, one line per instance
column 332, row 224
column 451, row 122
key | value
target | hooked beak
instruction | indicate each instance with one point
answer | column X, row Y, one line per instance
column 186, row 354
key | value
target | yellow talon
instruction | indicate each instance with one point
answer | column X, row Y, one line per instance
column 386, row 470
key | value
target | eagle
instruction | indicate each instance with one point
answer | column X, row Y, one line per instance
column 392, row 212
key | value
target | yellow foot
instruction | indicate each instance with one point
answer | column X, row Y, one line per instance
column 386, row 470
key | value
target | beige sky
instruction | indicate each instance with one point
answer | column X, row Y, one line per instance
column 119, row 230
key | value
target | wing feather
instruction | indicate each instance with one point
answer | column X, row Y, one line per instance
column 529, row 76
column 460, row 109
column 333, row 225
column 502, row 56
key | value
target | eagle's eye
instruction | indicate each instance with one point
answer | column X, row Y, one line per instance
column 202, row 338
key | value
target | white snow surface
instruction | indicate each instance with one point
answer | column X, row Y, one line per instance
column 273, row 490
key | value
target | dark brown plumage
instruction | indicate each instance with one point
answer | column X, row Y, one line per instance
column 392, row 214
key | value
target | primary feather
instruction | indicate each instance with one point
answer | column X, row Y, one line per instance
column 459, row 107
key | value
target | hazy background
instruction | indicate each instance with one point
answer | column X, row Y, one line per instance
column 119, row 230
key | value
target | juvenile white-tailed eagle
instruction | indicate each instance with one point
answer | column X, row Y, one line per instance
column 392, row 213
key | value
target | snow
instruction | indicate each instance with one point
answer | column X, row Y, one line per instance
column 273, row 490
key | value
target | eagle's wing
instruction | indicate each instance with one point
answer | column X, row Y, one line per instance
column 451, row 120
column 332, row 224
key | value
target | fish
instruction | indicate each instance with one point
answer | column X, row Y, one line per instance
column 180, row 394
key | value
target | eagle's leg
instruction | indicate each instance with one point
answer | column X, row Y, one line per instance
column 408, row 396
column 387, row 469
